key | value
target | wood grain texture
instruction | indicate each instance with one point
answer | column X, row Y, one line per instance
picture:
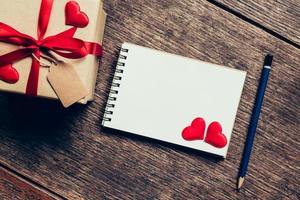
column 67, row 151
column 14, row 187
column 281, row 16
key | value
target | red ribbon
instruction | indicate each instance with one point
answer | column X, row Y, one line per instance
column 63, row 44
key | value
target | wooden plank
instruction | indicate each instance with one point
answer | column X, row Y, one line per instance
column 68, row 152
column 280, row 16
column 15, row 187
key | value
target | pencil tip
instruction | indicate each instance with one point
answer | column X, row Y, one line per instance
column 240, row 182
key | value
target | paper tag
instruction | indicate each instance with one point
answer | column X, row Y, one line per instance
column 66, row 83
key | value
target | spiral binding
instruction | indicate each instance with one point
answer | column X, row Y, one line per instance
column 112, row 98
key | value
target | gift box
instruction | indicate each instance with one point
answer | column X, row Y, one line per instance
column 33, row 30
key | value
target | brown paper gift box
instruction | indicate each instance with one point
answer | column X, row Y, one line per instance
column 23, row 16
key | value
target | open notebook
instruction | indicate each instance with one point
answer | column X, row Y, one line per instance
column 174, row 99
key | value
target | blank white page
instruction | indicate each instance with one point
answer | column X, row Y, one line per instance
column 160, row 94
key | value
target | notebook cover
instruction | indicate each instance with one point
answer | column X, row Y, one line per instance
column 174, row 99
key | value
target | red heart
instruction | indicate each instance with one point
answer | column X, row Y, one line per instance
column 75, row 17
column 214, row 135
column 195, row 131
column 9, row 74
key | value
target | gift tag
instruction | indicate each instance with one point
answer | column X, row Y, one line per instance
column 66, row 83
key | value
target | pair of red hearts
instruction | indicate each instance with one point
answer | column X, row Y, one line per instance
column 214, row 135
column 74, row 17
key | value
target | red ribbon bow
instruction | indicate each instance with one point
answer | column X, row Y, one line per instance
column 63, row 44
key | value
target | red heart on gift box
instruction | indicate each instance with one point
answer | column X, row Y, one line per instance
column 9, row 74
column 75, row 17
column 195, row 131
column 214, row 135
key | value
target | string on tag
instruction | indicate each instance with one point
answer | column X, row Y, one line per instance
column 44, row 64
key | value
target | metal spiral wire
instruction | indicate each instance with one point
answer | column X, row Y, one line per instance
column 115, row 85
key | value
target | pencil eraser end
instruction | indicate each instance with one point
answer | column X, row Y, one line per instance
column 268, row 60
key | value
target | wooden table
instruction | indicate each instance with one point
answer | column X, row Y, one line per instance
column 47, row 152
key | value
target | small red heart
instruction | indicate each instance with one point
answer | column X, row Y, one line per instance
column 195, row 131
column 214, row 135
column 75, row 17
column 9, row 74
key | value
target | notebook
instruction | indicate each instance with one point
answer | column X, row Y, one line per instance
column 174, row 99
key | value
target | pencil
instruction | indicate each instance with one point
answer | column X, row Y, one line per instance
column 254, row 120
